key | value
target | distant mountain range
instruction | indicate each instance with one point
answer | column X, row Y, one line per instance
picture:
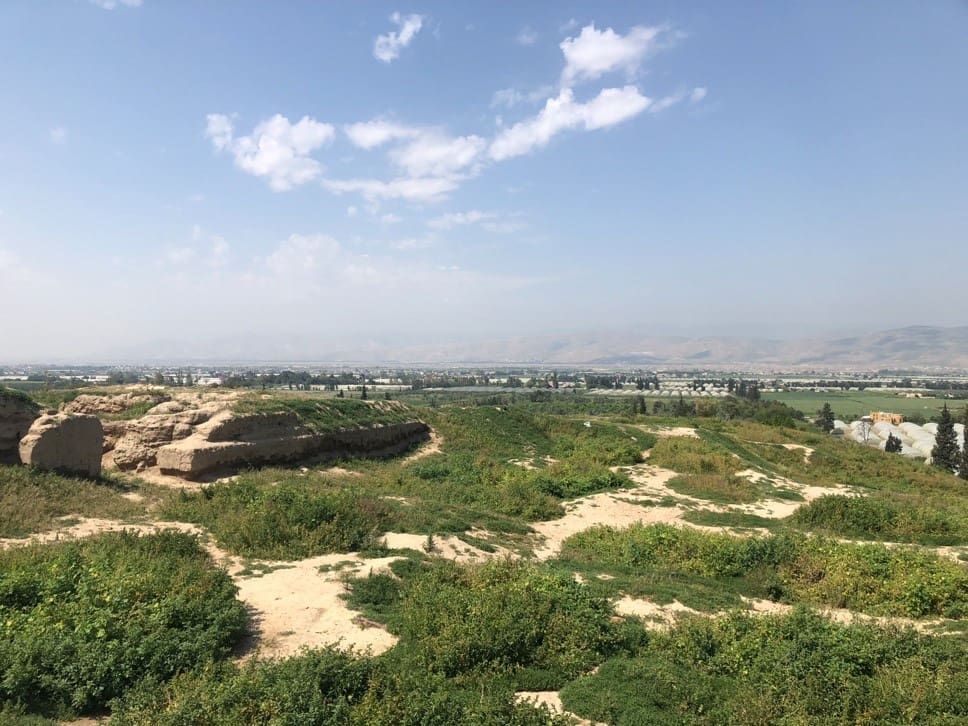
column 917, row 347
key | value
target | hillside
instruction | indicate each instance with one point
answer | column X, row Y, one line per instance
column 919, row 347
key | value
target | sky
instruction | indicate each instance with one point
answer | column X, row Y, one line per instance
column 361, row 174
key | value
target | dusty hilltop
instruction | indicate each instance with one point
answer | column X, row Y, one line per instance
column 195, row 435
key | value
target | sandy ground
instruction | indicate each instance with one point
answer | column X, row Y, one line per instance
column 662, row 617
column 807, row 451
column 669, row 431
column 90, row 526
column 779, row 508
column 656, row 617
column 530, row 464
column 428, row 449
column 617, row 509
column 552, row 700
column 296, row 606
column 446, row 546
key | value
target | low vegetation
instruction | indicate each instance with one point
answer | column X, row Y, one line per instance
column 82, row 622
column 889, row 517
column 284, row 520
column 141, row 625
column 796, row 669
column 783, row 567
column 326, row 415
column 35, row 501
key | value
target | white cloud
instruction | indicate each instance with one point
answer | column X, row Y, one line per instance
column 370, row 134
column 352, row 211
column 277, row 148
column 697, row 95
column 112, row 4
column 387, row 47
column 390, row 218
column 511, row 97
column 489, row 221
column 456, row 219
column 180, row 255
column 58, row 135
column 596, row 52
column 301, row 254
column 218, row 255
column 412, row 243
column 425, row 189
column 526, row 36
column 569, row 24
column 218, row 128
column 667, row 101
column 611, row 106
column 436, row 155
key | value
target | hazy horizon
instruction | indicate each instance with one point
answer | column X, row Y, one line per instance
column 391, row 175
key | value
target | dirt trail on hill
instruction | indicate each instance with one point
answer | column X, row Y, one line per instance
column 296, row 606
column 431, row 447
column 617, row 509
column 552, row 701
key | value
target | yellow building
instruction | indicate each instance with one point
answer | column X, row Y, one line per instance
column 894, row 419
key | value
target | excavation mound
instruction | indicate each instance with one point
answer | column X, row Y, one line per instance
column 230, row 440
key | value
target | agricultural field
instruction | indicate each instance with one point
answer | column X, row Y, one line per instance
column 533, row 563
column 851, row 405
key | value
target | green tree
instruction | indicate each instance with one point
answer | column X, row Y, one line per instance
column 826, row 418
column 946, row 454
column 893, row 444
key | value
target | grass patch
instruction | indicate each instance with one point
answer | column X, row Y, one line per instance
column 287, row 521
column 716, row 488
column 784, row 567
column 33, row 501
column 327, row 415
column 895, row 518
column 738, row 520
column 799, row 668
column 689, row 455
column 82, row 622
column 327, row 686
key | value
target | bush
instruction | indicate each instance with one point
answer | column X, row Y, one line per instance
column 878, row 517
column 319, row 687
column 290, row 520
column 869, row 578
column 504, row 617
column 798, row 668
column 688, row 455
column 81, row 622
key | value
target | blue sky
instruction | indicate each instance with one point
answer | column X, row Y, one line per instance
column 367, row 172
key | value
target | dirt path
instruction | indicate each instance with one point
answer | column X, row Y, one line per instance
column 665, row 432
column 663, row 617
column 430, row 448
column 807, row 451
column 552, row 701
column 617, row 509
column 296, row 606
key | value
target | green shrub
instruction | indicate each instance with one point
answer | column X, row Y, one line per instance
column 869, row 578
column 319, row 687
column 501, row 617
column 689, row 455
column 798, row 668
column 290, row 520
column 327, row 415
column 879, row 517
column 716, row 488
column 81, row 622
